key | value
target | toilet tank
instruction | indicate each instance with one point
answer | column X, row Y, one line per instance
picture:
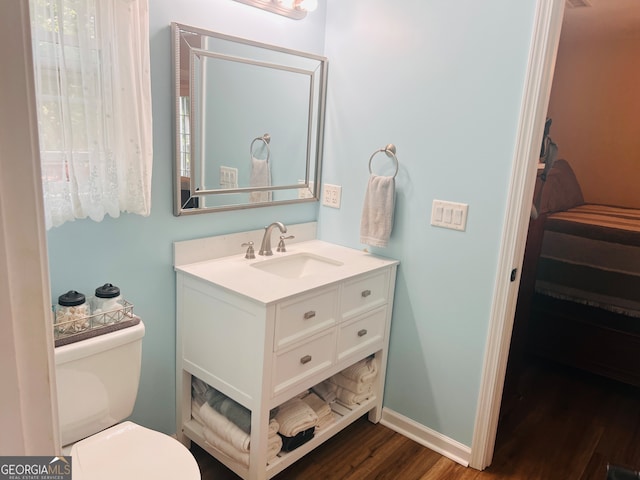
column 97, row 381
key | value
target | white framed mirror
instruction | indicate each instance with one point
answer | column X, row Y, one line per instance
column 249, row 122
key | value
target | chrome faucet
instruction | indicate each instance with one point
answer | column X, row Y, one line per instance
column 265, row 247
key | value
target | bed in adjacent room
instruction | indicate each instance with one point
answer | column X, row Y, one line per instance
column 582, row 280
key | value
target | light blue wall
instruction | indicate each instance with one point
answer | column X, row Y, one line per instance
column 134, row 252
column 443, row 81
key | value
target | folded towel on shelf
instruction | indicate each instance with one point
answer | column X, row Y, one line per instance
column 326, row 391
column 363, row 371
column 224, row 428
column 377, row 213
column 295, row 416
column 318, row 405
column 260, row 177
column 322, row 409
column 231, row 409
column 356, row 387
column 347, row 397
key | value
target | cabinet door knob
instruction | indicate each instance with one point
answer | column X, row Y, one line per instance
column 366, row 293
column 309, row 314
column 362, row 333
column 305, row 359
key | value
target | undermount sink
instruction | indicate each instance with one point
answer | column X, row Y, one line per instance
column 297, row 265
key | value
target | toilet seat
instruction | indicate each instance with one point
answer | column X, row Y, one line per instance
column 128, row 451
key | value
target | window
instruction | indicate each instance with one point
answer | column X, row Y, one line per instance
column 91, row 61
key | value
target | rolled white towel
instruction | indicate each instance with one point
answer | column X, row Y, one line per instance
column 295, row 416
column 274, row 445
column 225, row 447
column 195, row 410
column 274, row 426
column 224, row 428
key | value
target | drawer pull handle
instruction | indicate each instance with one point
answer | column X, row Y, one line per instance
column 309, row 314
column 366, row 293
column 362, row 333
column 305, row 359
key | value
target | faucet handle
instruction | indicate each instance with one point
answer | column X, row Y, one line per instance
column 250, row 252
column 281, row 246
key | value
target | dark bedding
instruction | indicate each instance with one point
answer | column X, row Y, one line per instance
column 591, row 255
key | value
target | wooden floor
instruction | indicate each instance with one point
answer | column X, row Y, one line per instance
column 566, row 426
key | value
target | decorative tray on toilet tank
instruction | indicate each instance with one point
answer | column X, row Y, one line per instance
column 82, row 327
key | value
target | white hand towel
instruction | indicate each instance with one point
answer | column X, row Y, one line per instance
column 377, row 212
column 260, row 177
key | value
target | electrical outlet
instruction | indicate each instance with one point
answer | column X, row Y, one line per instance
column 305, row 192
column 228, row 177
column 331, row 195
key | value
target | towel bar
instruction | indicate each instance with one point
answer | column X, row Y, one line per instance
column 390, row 151
column 266, row 139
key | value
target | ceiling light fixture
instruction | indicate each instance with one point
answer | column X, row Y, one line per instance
column 296, row 9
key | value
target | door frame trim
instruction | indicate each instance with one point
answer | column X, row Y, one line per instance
column 537, row 89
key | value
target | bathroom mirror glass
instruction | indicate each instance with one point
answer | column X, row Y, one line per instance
column 249, row 121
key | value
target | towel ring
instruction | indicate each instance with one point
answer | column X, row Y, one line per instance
column 266, row 138
column 390, row 151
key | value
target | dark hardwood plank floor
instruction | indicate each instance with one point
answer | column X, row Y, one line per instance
column 566, row 425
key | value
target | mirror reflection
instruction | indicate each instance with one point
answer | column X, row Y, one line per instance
column 249, row 122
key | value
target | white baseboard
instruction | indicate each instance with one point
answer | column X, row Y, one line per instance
column 431, row 439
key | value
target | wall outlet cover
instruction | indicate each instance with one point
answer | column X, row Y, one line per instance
column 331, row 195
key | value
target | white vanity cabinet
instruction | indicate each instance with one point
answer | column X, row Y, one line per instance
column 262, row 342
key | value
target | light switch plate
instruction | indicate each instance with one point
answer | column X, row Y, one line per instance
column 451, row 215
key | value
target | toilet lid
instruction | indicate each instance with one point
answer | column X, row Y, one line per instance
column 130, row 452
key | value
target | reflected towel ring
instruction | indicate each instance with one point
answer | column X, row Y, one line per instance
column 266, row 138
column 390, row 151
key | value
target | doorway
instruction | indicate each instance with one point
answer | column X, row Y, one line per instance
column 543, row 39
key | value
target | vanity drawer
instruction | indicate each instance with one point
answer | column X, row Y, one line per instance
column 364, row 294
column 361, row 332
column 305, row 316
column 297, row 363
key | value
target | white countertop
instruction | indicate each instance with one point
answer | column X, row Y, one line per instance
column 235, row 273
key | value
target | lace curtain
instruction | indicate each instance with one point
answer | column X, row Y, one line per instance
column 94, row 107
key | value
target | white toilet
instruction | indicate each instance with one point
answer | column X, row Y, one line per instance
column 97, row 382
